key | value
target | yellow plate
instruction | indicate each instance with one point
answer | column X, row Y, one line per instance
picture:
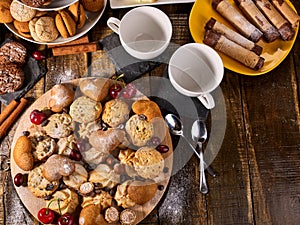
column 273, row 53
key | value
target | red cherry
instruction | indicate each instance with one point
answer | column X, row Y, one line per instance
column 19, row 179
column 162, row 148
column 46, row 215
column 129, row 91
column 75, row 155
column 37, row 117
column 66, row 219
column 114, row 90
column 38, row 55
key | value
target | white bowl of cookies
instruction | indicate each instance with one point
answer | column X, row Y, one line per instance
column 91, row 156
column 56, row 26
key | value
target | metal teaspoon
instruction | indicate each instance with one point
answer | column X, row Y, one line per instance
column 176, row 128
column 199, row 134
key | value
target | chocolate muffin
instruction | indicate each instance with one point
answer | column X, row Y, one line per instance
column 13, row 52
column 11, row 78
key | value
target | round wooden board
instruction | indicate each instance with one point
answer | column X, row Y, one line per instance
column 34, row 204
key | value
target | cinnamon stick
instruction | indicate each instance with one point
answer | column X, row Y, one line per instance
column 7, row 111
column 81, row 40
column 68, row 50
column 12, row 118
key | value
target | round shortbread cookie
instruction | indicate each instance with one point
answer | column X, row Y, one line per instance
column 115, row 112
column 85, row 110
column 139, row 129
column 21, row 12
column 45, row 29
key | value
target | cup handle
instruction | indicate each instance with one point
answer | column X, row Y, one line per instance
column 207, row 100
column 114, row 24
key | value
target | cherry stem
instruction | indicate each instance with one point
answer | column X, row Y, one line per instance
column 118, row 78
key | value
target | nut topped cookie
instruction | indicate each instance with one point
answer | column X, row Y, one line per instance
column 13, row 52
column 11, row 78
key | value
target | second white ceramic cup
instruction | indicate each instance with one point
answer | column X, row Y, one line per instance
column 196, row 70
column 145, row 32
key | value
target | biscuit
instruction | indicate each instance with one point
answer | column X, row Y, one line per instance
column 68, row 201
column 25, row 35
column 122, row 197
column 93, row 157
column 32, row 30
column 21, row 12
column 148, row 162
column 139, row 130
column 90, row 215
column 146, row 107
column 61, row 96
column 22, row 27
column 59, row 125
column 77, row 178
column 5, row 15
column 13, row 52
column 65, row 24
column 104, row 176
column 22, row 153
column 33, row 3
column 96, row 89
column 11, row 78
column 93, row 5
column 141, row 191
column 43, row 147
column 102, row 198
column 78, row 14
column 39, row 185
column 115, row 112
column 45, row 29
column 85, row 110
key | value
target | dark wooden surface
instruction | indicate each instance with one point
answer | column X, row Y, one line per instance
column 258, row 164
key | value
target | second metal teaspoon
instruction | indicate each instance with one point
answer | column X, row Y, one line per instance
column 199, row 134
column 176, row 128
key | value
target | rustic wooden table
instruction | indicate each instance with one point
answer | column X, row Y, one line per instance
column 258, row 163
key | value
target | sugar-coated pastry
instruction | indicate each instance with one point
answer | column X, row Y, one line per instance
column 61, row 96
column 58, row 166
column 95, row 88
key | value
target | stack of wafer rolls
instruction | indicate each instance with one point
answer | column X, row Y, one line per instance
column 232, row 35
column 285, row 29
column 237, row 20
column 249, row 8
column 221, row 43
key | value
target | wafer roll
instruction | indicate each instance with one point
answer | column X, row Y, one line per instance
column 233, row 50
column 232, row 35
column 249, row 8
column 237, row 20
column 287, row 12
column 284, row 27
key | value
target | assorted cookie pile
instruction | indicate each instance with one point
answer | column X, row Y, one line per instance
column 93, row 155
column 47, row 26
column 13, row 56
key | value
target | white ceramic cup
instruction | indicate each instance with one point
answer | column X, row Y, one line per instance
column 145, row 32
column 195, row 70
